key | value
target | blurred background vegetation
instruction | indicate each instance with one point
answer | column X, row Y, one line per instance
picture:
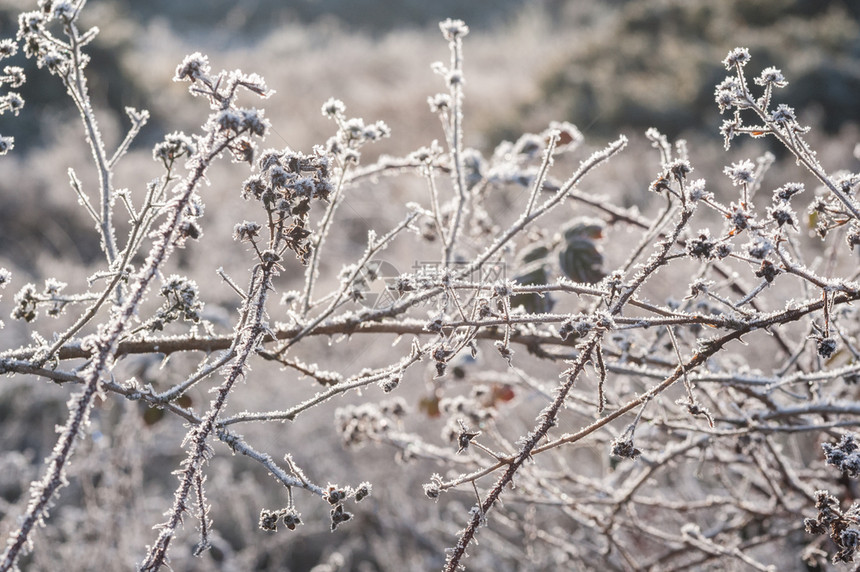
column 617, row 66
column 656, row 62
column 611, row 67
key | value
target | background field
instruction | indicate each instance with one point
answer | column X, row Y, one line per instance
column 608, row 67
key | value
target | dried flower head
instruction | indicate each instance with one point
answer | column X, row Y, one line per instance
column 8, row 48
column 771, row 76
column 193, row 68
column 783, row 115
column 788, row 190
column 826, row 347
column 269, row 520
column 246, row 231
column 439, row 102
column 737, row 57
column 701, row 246
column 844, row 455
column 453, row 29
column 292, row 518
column 783, row 214
column 741, row 173
column 333, row 108
column 6, row 144
column 339, row 516
column 623, row 447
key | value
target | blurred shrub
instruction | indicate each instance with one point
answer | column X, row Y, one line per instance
column 653, row 62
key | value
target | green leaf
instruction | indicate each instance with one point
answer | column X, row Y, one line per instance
column 580, row 257
column 583, row 228
column 537, row 252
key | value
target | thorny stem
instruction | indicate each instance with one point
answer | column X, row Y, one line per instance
column 82, row 196
column 254, row 313
column 202, row 373
column 372, row 248
column 524, row 220
column 138, row 120
column 88, row 315
column 455, row 145
column 788, row 136
column 434, row 204
column 548, row 416
column 535, row 331
column 569, row 438
column 103, row 352
column 139, row 226
column 14, row 360
column 237, row 444
column 313, row 267
column 321, row 397
column 78, row 90
column 814, row 168
column 544, row 170
column 688, row 386
column 651, row 233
